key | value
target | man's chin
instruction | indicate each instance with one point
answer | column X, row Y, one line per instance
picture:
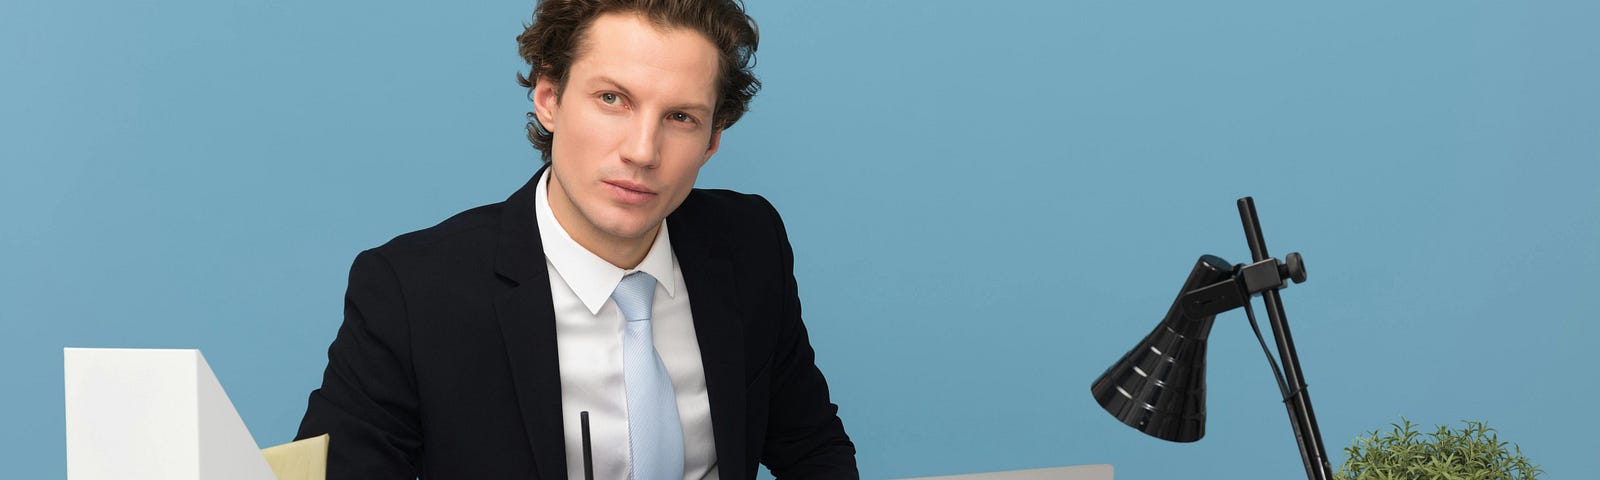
column 636, row 230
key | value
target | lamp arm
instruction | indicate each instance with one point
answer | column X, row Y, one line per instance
column 1298, row 402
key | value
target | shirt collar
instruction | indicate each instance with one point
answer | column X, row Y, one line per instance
column 590, row 276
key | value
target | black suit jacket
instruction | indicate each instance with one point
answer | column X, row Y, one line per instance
column 446, row 364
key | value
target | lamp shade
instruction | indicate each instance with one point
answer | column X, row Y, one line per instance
column 1159, row 387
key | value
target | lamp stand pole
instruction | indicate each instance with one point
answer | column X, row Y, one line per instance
column 1306, row 433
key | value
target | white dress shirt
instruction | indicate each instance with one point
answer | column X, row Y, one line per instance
column 589, row 337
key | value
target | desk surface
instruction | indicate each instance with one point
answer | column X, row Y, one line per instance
column 1080, row 472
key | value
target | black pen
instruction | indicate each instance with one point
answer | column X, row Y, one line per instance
column 588, row 454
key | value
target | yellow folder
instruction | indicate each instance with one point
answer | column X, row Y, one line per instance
column 302, row 460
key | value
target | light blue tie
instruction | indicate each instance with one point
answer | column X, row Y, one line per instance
column 655, row 438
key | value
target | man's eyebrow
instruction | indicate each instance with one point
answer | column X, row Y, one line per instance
column 614, row 84
column 692, row 107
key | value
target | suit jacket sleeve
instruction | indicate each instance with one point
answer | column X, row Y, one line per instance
column 805, row 438
column 368, row 400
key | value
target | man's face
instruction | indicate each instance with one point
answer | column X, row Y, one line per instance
column 632, row 128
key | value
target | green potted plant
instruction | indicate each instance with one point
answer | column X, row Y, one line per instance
column 1472, row 452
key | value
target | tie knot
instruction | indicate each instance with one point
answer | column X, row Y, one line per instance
column 634, row 294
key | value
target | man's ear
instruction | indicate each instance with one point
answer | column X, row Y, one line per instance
column 546, row 99
column 716, row 141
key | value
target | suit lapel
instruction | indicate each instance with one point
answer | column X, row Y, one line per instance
column 712, row 291
column 527, row 319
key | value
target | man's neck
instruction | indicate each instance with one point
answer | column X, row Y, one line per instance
column 625, row 253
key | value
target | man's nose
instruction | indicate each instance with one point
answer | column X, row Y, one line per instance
column 640, row 147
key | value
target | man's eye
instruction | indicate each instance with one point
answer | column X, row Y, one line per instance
column 681, row 117
column 610, row 98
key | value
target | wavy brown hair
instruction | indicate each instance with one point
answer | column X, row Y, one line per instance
column 552, row 42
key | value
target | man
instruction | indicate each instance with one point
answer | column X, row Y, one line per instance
column 605, row 288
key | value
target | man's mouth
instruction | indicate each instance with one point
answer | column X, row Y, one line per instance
column 630, row 192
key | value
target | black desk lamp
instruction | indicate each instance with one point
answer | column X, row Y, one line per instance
column 1159, row 387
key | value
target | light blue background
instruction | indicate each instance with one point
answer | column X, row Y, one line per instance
column 990, row 202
